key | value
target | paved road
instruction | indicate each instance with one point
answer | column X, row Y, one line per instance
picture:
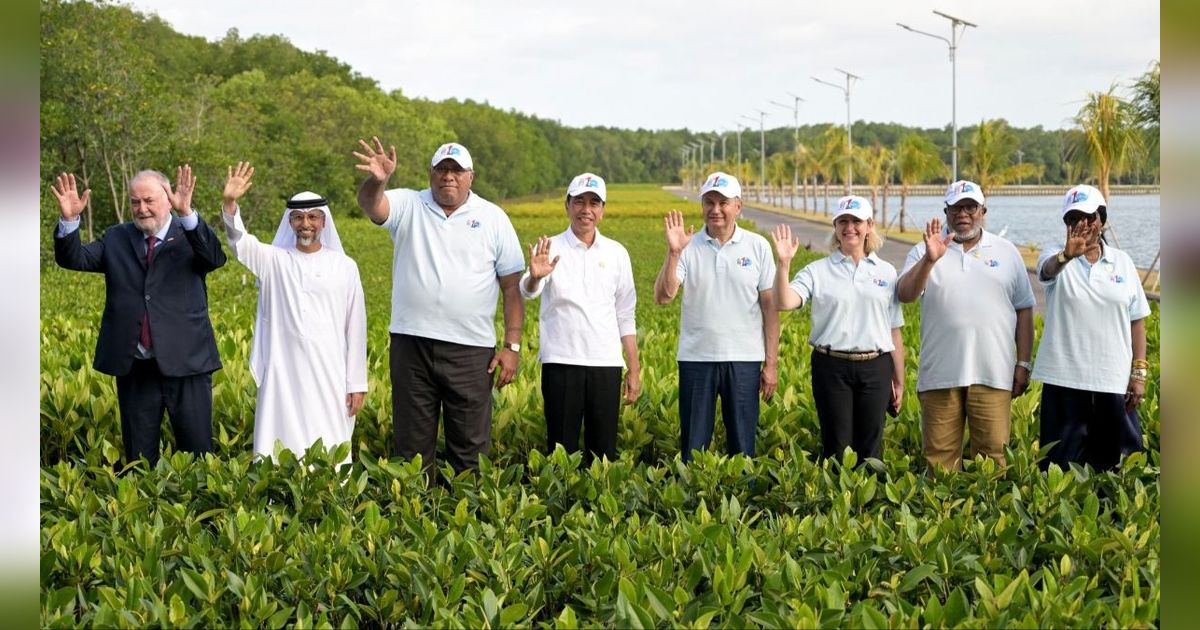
column 815, row 236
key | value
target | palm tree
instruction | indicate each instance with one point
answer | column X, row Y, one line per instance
column 917, row 161
column 1145, row 105
column 1111, row 137
column 989, row 159
column 829, row 158
column 875, row 159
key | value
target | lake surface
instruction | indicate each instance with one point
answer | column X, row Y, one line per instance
column 1038, row 220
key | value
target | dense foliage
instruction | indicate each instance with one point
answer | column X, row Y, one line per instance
column 781, row 540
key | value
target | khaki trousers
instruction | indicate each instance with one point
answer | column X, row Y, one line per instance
column 944, row 412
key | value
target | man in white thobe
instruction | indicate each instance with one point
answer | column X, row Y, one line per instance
column 309, row 356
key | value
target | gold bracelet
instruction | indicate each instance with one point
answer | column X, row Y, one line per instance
column 1141, row 363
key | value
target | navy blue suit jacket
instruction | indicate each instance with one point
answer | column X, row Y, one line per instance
column 173, row 291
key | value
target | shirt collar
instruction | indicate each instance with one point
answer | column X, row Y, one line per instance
column 838, row 257
column 574, row 241
column 161, row 235
column 737, row 235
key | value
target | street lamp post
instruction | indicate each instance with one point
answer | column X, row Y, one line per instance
column 738, row 170
column 957, row 28
column 762, row 152
column 796, row 150
column 849, row 138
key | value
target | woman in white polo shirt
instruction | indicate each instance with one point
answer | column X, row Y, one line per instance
column 858, row 356
column 1092, row 358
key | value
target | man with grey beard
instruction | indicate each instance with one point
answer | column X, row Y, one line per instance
column 976, row 330
column 155, row 335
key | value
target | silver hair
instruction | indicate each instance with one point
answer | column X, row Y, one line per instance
column 150, row 174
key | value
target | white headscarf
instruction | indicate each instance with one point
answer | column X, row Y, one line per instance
column 285, row 236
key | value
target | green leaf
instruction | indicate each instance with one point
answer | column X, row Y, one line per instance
column 915, row 576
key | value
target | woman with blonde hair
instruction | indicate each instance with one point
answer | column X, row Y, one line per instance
column 858, row 355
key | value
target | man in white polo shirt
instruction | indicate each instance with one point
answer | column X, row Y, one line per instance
column 976, row 301
column 587, row 318
column 729, row 326
column 454, row 252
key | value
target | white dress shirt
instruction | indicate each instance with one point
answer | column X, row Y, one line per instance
column 587, row 302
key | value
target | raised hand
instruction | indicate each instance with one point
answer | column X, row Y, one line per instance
column 785, row 244
column 237, row 182
column 69, row 202
column 677, row 236
column 375, row 161
column 1079, row 238
column 935, row 244
column 185, row 184
column 540, row 264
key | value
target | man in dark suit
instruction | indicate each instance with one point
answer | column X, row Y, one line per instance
column 155, row 335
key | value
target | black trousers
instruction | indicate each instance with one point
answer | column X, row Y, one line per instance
column 432, row 378
column 851, row 398
column 577, row 395
column 1089, row 428
column 145, row 393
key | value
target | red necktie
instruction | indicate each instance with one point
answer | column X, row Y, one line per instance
column 144, row 339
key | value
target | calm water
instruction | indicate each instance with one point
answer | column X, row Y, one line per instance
column 1134, row 219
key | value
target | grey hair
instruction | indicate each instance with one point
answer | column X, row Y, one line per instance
column 150, row 174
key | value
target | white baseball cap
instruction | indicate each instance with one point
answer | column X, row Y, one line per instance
column 854, row 206
column 723, row 183
column 1083, row 198
column 588, row 182
column 963, row 189
column 453, row 151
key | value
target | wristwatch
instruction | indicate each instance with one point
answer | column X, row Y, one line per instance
column 515, row 347
column 1062, row 258
column 1025, row 364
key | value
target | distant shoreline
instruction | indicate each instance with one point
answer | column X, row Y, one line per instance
column 1013, row 190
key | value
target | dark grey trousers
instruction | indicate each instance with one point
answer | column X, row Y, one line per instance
column 432, row 378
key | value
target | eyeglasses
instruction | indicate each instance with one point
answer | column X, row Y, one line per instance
column 1073, row 218
column 299, row 217
column 967, row 210
column 456, row 171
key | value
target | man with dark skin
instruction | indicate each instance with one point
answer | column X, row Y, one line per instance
column 454, row 253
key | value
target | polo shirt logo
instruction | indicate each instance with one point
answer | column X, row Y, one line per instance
column 880, row 282
column 744, row 261
column 992, row 262
column 473, row 224
column 1118, row 278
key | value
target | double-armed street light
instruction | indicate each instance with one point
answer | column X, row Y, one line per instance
column 795, row 107
column 849, row 138
column 957, row 27
column 762, row 158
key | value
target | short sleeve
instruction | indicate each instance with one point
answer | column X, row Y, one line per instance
column 401, row 201
column 681, row 267
column 1139, row 307
column 766, row 274
column 1045, row 256
column 895, row 311
column 509, row 257
column 914, row 256
column 804, row 284
column 1022, row 290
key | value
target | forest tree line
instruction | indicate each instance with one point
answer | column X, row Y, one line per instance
column 122, row 91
